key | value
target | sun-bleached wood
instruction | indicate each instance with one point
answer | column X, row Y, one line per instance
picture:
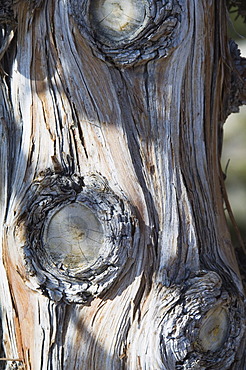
column 73, row 236
column 131, row 129
column 117, row 20
column 214, row 329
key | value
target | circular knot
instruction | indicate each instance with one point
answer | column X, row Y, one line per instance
column 203, row 326
column 79, row 236
column 129, row 32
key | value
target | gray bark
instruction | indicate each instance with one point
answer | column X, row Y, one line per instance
column 115, row 251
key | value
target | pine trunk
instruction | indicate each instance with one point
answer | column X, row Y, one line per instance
column 115, row 251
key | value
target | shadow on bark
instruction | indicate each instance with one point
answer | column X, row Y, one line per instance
column 2, row 354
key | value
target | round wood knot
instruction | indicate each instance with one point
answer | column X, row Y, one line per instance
column 118, row 20
column 73, row 236
column 129, row 32
column 203, row 326
column 214, row 329
column 79, row 236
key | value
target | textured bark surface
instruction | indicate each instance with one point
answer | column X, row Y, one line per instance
column 127, row 124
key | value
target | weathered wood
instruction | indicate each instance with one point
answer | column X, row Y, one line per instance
column 122, row 116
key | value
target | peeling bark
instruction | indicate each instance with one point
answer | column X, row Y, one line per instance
column 128, row 126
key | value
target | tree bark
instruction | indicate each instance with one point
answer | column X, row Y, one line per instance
column 115, row 249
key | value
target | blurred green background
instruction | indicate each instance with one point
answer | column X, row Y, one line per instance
column 236, row 26
column 234, row 148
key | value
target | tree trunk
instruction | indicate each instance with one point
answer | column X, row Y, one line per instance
column 115, row 249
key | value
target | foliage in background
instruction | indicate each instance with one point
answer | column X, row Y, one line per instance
column 237, row 23
column 234, row 148
column 238, row 7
